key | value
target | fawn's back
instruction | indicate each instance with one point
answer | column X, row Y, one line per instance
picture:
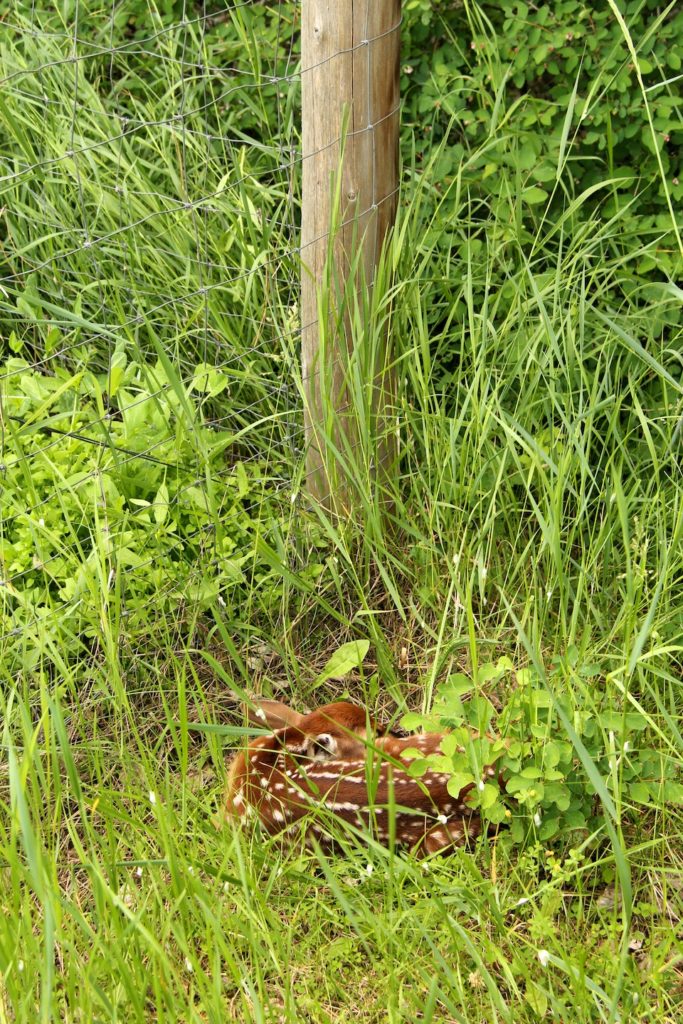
column 335, row 759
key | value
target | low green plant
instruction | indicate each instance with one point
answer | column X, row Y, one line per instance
column 544, row 108
column 112, row 484
column 541, row 788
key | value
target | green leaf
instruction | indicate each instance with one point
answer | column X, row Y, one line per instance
column 616, row 721
column 549, row 826
column 488, row 796
column 161, row 504
column 537, row 999
column 450, row 744
column 639, row 792
column 456, row 685
column 534, row 195
column 517, row 830
column 242, row 480
column 558, row 794
column 488, row 672
column 497, row 813
column 673, row 793
column 209, row 380
column 551, row 754
column 413, row 721
column 349, row 656
column 458, row 781
column 117, row 369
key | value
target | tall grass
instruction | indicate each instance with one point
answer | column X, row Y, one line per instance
column 534, row 507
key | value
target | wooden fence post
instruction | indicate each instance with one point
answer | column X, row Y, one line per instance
column 350, row 54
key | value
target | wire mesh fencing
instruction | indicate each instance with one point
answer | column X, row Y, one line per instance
column 149, row 275
column 151, row 409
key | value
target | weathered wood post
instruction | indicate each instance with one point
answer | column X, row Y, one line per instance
column 350, row 54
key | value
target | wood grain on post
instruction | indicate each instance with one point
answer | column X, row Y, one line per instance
column 350, row 52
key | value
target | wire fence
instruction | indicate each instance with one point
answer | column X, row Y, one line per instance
column 149, row 329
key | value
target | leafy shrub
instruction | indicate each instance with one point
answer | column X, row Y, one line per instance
column 536, row 56
column 113, row 489
column 547, row 790
column 541, row 114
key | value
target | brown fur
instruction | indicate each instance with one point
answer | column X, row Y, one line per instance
column 338, row 759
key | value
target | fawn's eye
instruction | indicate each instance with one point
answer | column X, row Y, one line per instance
column 322, row 747
column 398, row 731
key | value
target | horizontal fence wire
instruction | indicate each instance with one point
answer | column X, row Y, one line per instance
column 150, row 174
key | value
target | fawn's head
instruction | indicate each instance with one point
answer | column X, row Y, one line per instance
column 338, row 730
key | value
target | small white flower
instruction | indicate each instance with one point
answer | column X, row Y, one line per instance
column 442, row 819
column 627, row 747
column 188, row 966
column 480, row 785
column 369, row 869
column 138, row 872
column 544, row 957
column 152, row 797
column 190, row 870
column 41, row 522
column 537, row 819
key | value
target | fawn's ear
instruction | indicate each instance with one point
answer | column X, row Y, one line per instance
column 272, row 713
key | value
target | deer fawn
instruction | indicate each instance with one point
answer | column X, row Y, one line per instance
column 338, row 759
